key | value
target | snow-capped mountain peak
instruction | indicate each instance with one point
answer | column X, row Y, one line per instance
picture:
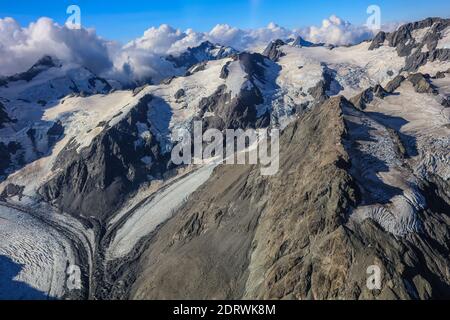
column 206, row 51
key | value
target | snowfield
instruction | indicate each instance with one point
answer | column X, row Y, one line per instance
column 356, row 67
column 38, row 257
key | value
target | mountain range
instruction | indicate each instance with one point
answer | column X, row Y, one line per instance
column 86, row 176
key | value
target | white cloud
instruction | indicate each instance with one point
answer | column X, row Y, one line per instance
column 143, row 57
column 336, row 31
column 21, row 47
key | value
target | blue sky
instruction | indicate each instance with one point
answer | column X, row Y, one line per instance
column 124, row 20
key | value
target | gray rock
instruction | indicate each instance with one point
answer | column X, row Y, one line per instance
column 225, row 71
column 407, row 46
column 378, row 40
column 439, row 75
column 326, row 87
column 446, row 102
column 206, row 51
column 361, row 100
column 440, row 55
column 379, row 91
column 41, row 65
column 300, row 42
column 421, row 84
column 239, row 111
column 12, row 190
column 179, row 94
column 394, row 84
column 318, row 92
column 273, row 51
column 5, row 159
column 4, row 118
column 196, row 68
column 414, row 61
column 106, row 86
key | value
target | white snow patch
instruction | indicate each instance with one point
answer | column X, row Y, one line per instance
column 39, row 257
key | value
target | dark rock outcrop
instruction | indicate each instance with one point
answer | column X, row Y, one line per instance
column 361, row 100
column 417, row 53
column 12, row 190
column 300, row 42
column 179, row 94
column 446, row 102
column 41, row 65
column 239, row 111
column 378, row 41
column 404, row 42
column 318, row 92
column 232, row 113
column 394, row 83
column 273, row 51
column 439, row 75
column 5, row 159
column 4, row 118
column 421, row 84
column 326, row 87
column 201, row 66
column 225, row 71
column 93, row 84
column 206, row 51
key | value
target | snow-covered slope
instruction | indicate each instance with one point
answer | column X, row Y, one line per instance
column 25, row 98
column 33, row 257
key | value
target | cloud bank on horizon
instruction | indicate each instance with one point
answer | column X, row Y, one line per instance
column 143, row 58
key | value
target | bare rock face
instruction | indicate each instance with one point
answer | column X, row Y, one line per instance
column 378, row 40
column 326, row 87
column 41, row 65
column 318, row 92
column 289, row 236
column 179, row 94
column 394, row 83
column 365, row 97
column 272, row 51
column 421, row 83
column 5, row 158
column 300, row 42
column 206, row 51
column 7, row 151
column 4, row 118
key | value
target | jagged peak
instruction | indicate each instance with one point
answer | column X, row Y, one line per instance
column 300, row 42
column 47, row 61
column 203, row 52
column 273, row 51
column 43, row 64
